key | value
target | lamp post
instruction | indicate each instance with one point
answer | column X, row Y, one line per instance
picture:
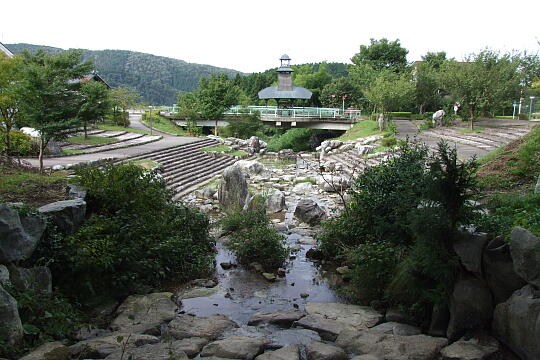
column 343, row 97
column 150, row 119
column 514, row 112
column 530, row 107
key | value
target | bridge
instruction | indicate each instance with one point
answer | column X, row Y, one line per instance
column 302, row 117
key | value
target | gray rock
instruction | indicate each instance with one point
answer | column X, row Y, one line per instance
column 233, row 191
column 101, row 347
column 52, row 148
column 255, row 144
column 19, row 234
column 38, row 278
column 278, row 317
column 524, row 247
column 159, row 351
column 49, row 351
column 309, row 212
column 4, row 276
column 471, row 306
column 327, row 329
column 67, row 214
column 390, row 347
column 275, row 202
column 9, row 318
column 397, row 329
column 469, row 247
column 440, row 317
column 235, row 347
column 537, row 187
column 394, row 315
column 286, row 154
column 471, row 349
column 356, row 316
column 321, row 351
column 186, row 326
column 499, row 272
column 251, row 167
column 366, row 357
column 516, row 322
column 290, row 352
column 269, row 276
column 364, row 149
column 58, row 167
column 303, row 188
column 279, row 339
column 75, row 191
column 144, row 314
column 335, row 184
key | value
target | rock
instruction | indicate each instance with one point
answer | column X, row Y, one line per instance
column 289, row 337
column 526, row 256
column 397, row 329
column 144, row 314
column 49, row 351
column 304, row 295
column 499, row 272
column 335, row 184
column 256, row 266
column 233, row 191
column 440, row 317
column 390, row 347
column 309, row 212
column 364, row 149
column 255, row 144
column 90, row 332
column 75, row 191
column 206, row 193
column 290, row 352
column 9, row 318
column 321, row 351
column 207, row 283
column 102, row 347
column 20, row 234
column 307, row 241
column 342, row 270
column 235, row 347
column 4, row 276
column 186, row 326
column 516, row 322
column 357, row 316
column 67, row 214
column 281, row 272
column 303, row 188
column 225, row 265
column 366, row 357
column 38, row 278
column 394, row 315
column 327, row 329
column 537, row 187
column 251, row 167
column 160, row 351
column 278, row 317
column 476, row 348
column 196, row 292
column 275, row 202
column 469, row 248
column 58, row 167
column 314, row 254
column 471, row 306
column 269, row 276
column 286, row 154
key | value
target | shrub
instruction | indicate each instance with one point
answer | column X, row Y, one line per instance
column 21, row 144
column 295, row 139
column 400, row 115
column 389, row 141
column 135, row 238
column 244, row 126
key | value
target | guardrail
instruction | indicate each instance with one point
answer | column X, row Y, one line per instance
column 295, row 112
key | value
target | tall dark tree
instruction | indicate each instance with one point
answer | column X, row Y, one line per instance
column 95, row 103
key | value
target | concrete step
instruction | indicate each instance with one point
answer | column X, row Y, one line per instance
column 196, row 171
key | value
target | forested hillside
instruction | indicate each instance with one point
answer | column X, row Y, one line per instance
column 158, row 79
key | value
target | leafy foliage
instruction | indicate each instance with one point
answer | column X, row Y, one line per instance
column 296, row 139
column 382, row 54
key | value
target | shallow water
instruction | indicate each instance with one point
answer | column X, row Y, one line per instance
column 243, row 292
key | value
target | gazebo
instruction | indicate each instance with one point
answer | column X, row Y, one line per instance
column 285, row 91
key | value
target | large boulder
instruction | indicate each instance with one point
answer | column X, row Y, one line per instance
column 516, row 322
column 250, row 167
column 67, row 214
column 38, row 278
column 499, row 272
column 309, row 212
column 471, row 306
column 4, row 276
column 526, row 256
column 397, row 329
column 321, row 351
column 159, row 351
column 144, row 314
column 287, row 337
column 75, row 191
column 49, row 351
column 471, row 348
column 303, row 188
column 290, row 352
column 9, row 318
column 235, row 347
column 233, row 191
column 469, row 247
column 19, row 234
column 390, row 347
column 334, row 183
column 255, row 144
column 101, row 347
column 278, row 317
column 186, row 326
column 275, row 201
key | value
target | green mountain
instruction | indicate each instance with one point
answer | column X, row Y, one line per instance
column 158, row 79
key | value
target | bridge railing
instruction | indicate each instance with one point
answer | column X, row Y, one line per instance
column 295, row 112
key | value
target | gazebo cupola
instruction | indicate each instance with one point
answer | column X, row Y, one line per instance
column 285, row 88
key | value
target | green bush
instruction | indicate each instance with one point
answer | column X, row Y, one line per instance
column 244, row 126
column 389, row 141
column 21, row 144
column 295, row 139
column 400, row 115
column 135, row 238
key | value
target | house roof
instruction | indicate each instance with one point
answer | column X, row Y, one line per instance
column 297, row 92
column 92, row 76
column 5, row 50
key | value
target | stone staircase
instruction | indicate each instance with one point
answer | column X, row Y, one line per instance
column 185, row 167
column 353, row 163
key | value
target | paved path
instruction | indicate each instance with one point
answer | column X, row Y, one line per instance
column 166, row 142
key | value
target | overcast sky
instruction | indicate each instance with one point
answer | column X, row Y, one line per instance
column 251, row 35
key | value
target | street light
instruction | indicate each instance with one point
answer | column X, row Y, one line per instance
column 530, row 107
column 150, row 120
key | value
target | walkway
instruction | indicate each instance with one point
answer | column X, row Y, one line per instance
column 167, row 141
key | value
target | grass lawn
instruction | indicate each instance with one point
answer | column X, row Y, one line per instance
column 72, row 152
column 91, row 140
column 111, row 127
column 469, row 131
column 361, row 129
column 146, row 164
column 237, row 153
column 166, row 125
column 219, row 148
column 31, row 188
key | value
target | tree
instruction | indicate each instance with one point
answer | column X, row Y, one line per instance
column 122, row 98
column 427, row 81
column 95, row 103
column 216, row 95
column 382, row 54
column 10, row 76
column 315, row 81
column 435, row 59
column 50, row 98
column 483, row 82
column 333, row 93
column 391, row 92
